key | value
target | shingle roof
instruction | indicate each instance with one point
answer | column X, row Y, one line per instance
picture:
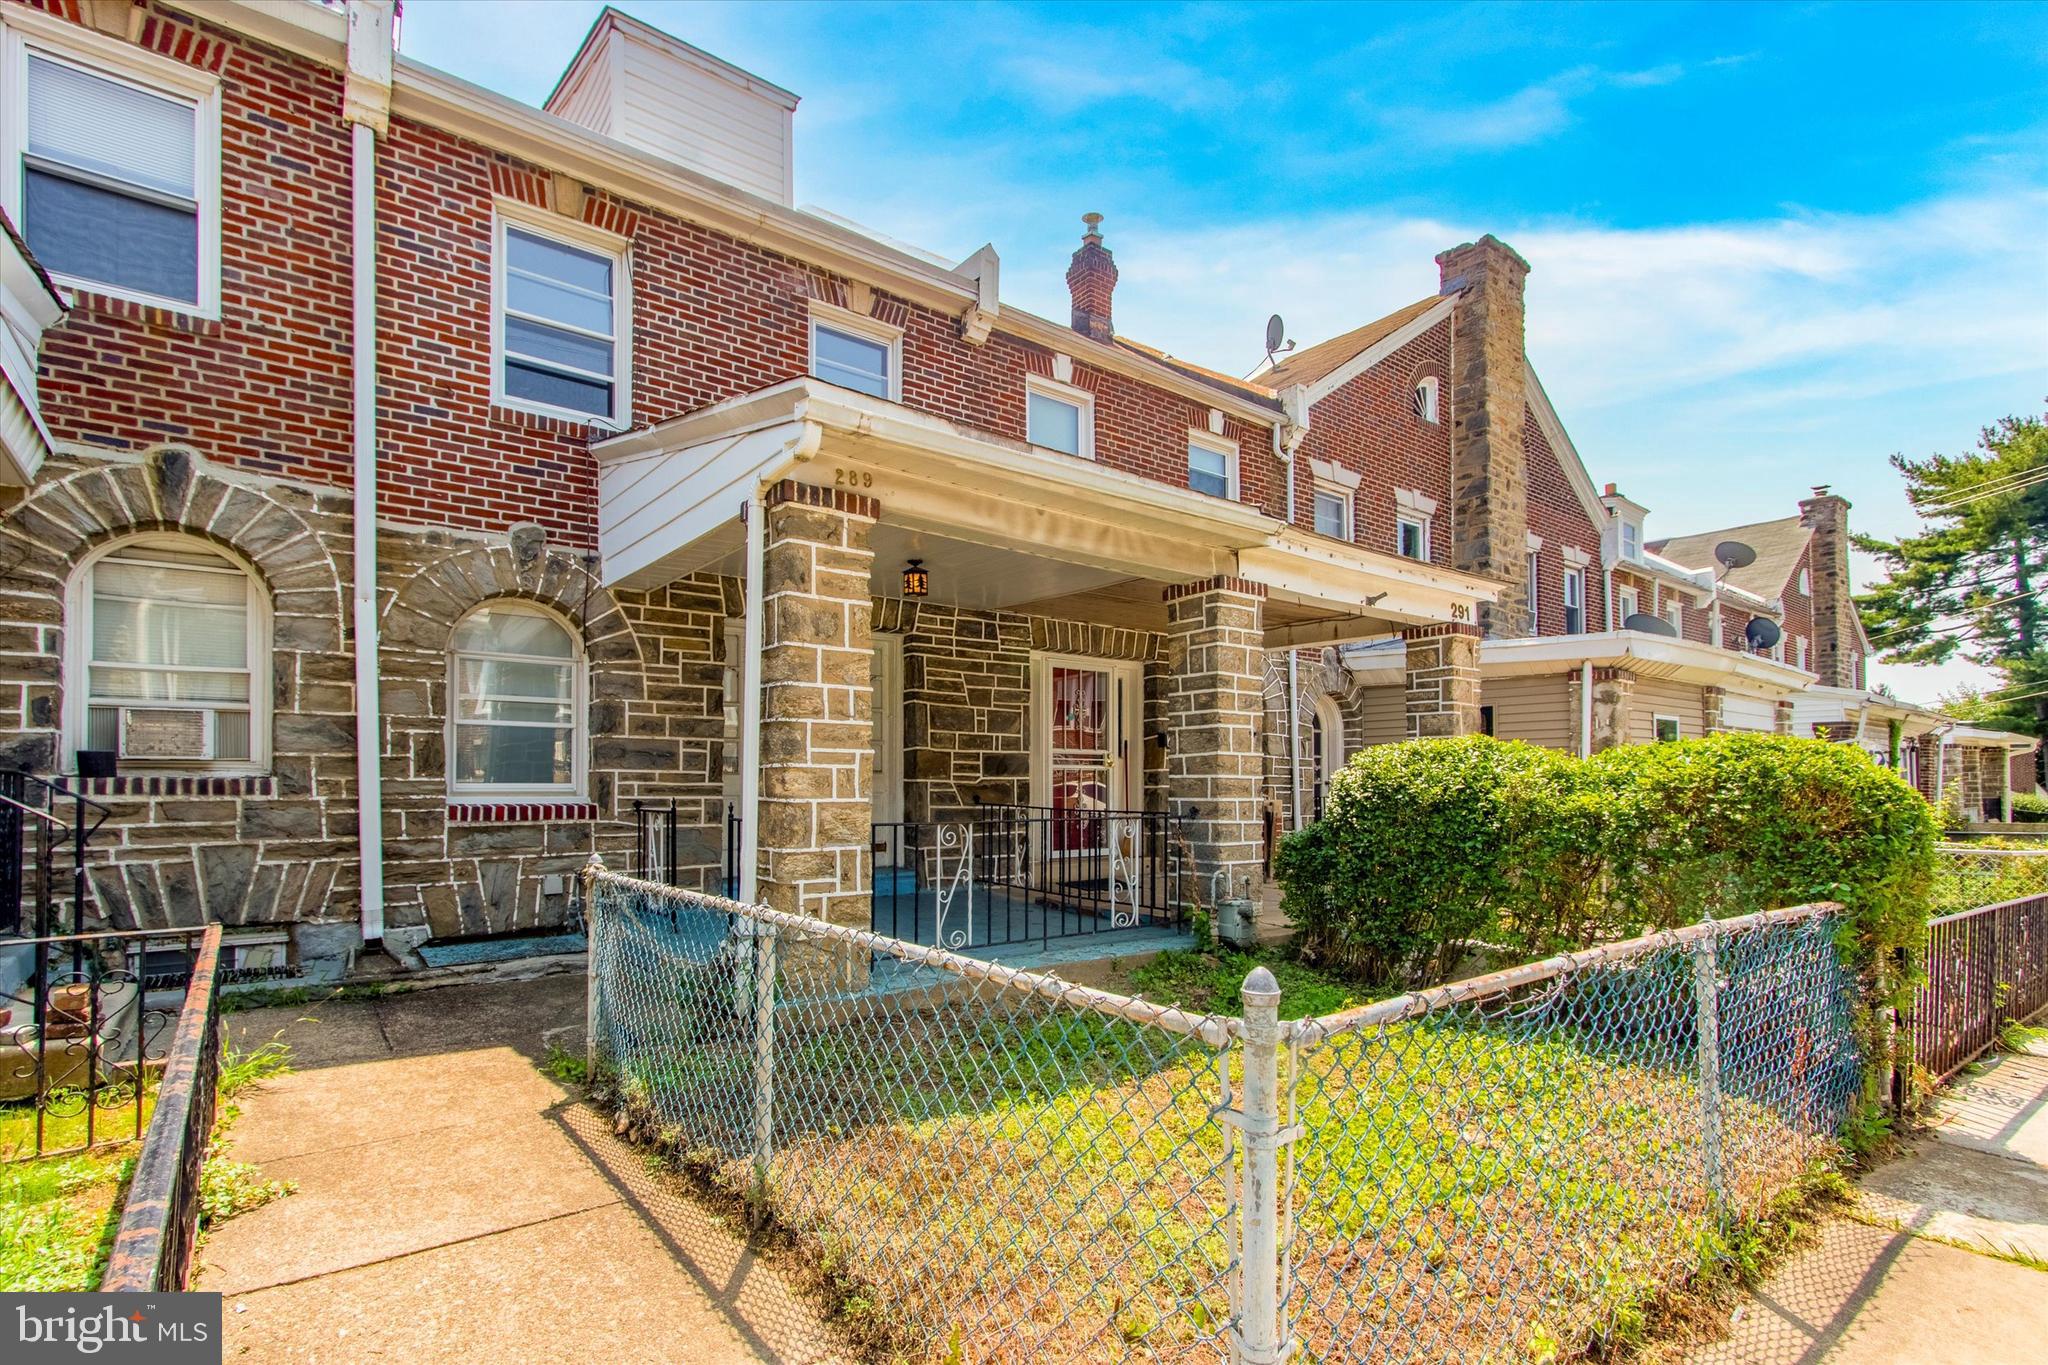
column 1308, row 365
column 1778, row 545
column 1194, row 371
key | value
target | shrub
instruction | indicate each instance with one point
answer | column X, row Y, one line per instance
column 2028, row 806
column 1427, row 844
column 1419, row 845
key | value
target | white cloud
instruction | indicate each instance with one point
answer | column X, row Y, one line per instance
column 1529, row 115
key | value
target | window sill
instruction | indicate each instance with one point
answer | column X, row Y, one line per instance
column 518, row 812
column 543, row 419
column 167, row 784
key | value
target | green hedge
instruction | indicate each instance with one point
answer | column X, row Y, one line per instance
column 1426, row 845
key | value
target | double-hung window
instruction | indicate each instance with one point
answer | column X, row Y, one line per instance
column 517, row 702
column 1333, row 512
column 1628, row 602
column 1059, row 417
column 856, row 352
column 563, row 329
column 1412, row 536
column 1574, row 601
column 112, row 167
column 172, row 648
column 1212, row 466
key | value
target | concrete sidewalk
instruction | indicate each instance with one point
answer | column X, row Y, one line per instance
column 454, row 1203
column 1907, row 1278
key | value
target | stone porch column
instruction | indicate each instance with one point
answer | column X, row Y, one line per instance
column 1442, row 679
column 1216, row 658
column 1711, row 710
column 1784, row 718
column 816, row 697
column 1613, row 692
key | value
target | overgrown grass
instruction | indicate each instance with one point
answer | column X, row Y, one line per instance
column 58, row 1217
column 1208, row 981
column 235, row 1001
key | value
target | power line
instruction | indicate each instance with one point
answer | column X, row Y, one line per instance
column 1939, row 630
column 1990, row 485
column 2030, row 480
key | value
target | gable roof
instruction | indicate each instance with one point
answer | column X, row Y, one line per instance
column 1325, row 357
column 1778, row 545
column 1197, row 372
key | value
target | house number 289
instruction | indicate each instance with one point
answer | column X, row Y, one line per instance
column 853, row 478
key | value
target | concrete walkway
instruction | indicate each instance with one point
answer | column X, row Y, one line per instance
column 454, row 1203
column 1907, row 1277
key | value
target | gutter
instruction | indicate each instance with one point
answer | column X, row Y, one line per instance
column 365, row 103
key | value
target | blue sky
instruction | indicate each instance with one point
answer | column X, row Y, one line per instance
column 1770, row 244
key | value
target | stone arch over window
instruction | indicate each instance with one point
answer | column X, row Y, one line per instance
column 278, row 534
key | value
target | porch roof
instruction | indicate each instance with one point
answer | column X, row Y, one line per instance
column 670, row 498
column 1643, row 654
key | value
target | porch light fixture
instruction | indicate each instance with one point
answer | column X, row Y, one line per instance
column 917, row 580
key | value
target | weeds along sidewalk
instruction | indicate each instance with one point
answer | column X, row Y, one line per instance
column 994, row 1166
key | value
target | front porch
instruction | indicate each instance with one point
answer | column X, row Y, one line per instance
column 1050, row 731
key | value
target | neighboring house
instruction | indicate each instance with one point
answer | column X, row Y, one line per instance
column 712, row 535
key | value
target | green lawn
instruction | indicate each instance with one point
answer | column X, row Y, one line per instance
column 58, row 1217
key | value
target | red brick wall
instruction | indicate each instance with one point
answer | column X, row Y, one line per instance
column 1798, row 618
column 1559, row 518
column 1369, row 426
column 266, row 386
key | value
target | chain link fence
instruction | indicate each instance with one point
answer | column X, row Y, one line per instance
column 1967, row 876
column 991, row 1165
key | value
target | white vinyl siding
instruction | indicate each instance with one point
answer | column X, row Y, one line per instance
column 1655, row 697
column 1382, row 715
column 1754, row 714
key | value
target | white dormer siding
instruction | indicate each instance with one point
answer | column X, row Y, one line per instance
column 669, row 99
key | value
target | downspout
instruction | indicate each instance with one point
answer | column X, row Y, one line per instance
column 754, row 513
column 1586, row 709
column 366, row 104
column 1287, row 438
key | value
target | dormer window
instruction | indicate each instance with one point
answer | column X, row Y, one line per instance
column 1425, row 398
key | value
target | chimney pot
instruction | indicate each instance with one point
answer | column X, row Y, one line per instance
column 1091, row 280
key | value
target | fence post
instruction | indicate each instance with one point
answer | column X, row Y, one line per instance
column 593, row 995
column 764, row 1064
column 1706, row 988
column 1259, row 1339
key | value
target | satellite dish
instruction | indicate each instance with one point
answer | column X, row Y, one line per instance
column 1276, row 334
column 1733, row 554
column 1762, row 634
column 1648, row 625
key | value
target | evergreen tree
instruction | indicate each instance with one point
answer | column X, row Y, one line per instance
column 1974, row 580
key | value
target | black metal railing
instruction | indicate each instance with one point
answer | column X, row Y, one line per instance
column 1022, row 874
column 1984, row 967
column 39, row 817
column 159, row 1228
column 85, row 1027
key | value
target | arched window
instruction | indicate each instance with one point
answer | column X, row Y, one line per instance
column 1326, row 734
column 1425, row 398
column 515, row 692
column 169, row 658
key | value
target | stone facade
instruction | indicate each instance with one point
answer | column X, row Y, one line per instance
column 817, row 732
column 1613, row 692
column 1442, row 680
column 1489, row 413
column 1215, row 699
column 1836, row 656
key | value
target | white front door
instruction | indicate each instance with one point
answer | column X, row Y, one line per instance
column 1085, row 752
column 886, row 791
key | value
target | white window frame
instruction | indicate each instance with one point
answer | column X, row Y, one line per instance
column 1674, row 616
column 837, row 319
column 1657, row 724
column 1064, row 393
column 24, row 31
column 1799, row 642
column 1622, row 598
column 1324, row 488
column 78, row 606
column 583, row 237
column 1631, row 541
column 1403, row 520
column 1805, row 584
column 1534, row 560
column 1574, row 588
column 1217, row 445
column 479, row 793
column 1126, row 728
column 1423, row 400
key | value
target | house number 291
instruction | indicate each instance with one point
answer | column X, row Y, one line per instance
column 853, row 478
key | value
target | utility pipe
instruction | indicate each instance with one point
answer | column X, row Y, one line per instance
column 754, row 514
column 369, row 724
column 1294, row 694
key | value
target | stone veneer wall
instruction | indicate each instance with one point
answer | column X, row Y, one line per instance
column 1216, row 703
column 179, row 851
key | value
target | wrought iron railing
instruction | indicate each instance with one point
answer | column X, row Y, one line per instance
column 38, row 817
column 1984, row 967
column 160, row 1217
column 1022, row 874
column 85, row 1029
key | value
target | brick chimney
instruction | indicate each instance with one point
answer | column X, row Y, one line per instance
column 1835, row 655
column 1092, row 279
column 1488, row 407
